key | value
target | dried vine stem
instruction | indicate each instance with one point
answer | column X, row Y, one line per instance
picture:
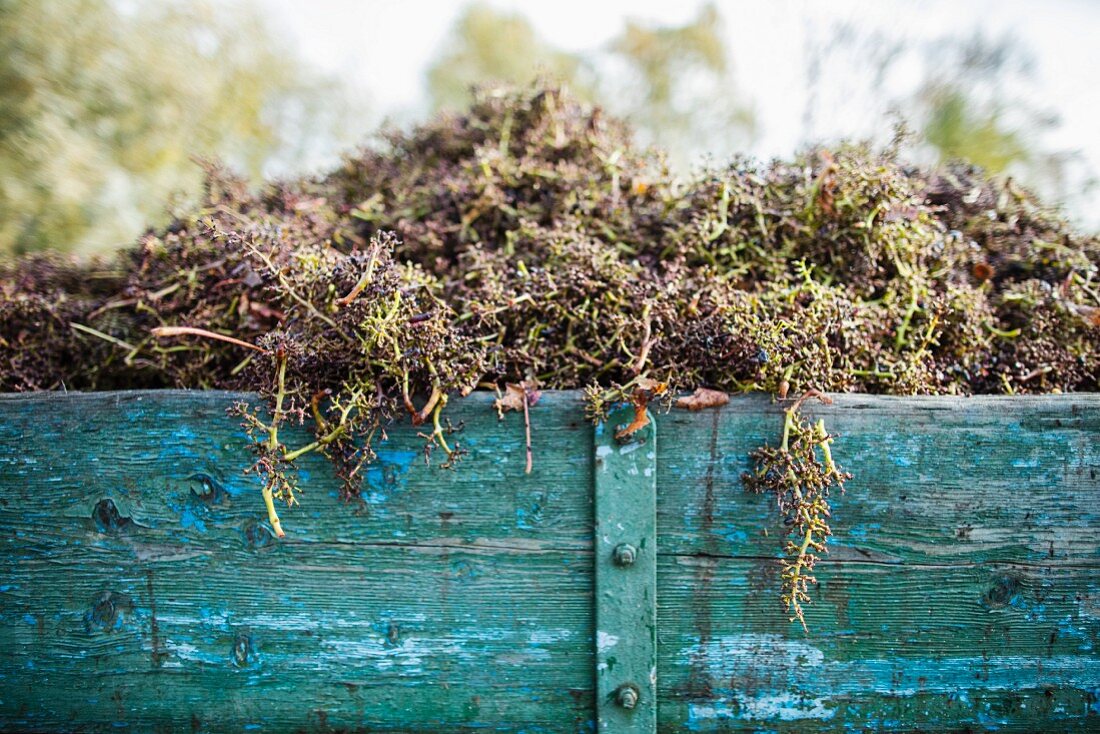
column 520, row 397
column 167, row 331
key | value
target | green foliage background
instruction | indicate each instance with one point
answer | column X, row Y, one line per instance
column 102, row 109
column 104, row 104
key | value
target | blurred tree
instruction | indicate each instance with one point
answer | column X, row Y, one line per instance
column 674, row 83
column 964, row 104
column 956, row 128
column 978, row 103
column 679, row 88
column 965, row 97
column 489, row 46
column 102, row 105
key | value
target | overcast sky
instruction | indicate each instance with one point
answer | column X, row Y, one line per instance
column 384, row 47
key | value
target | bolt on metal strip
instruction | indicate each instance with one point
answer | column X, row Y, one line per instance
column 626, row 577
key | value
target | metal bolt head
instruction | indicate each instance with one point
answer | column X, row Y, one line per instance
column 625, row 554
column 627, row 696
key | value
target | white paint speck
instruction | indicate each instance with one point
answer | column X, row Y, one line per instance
column 544, row 637
column 784, row 706
column 605, row 642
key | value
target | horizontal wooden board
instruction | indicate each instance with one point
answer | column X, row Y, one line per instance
column 442, row 601
column 139, row 584
column 172, row 462
column 890, row 648
column 961, row 591
column 936, row 479
column 407, row 638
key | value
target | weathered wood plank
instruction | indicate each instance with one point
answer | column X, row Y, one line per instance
column 961, row 589
column 889, row 648
column 172, row 461
column 428, row 639
column 936, row 479
column 421, row 608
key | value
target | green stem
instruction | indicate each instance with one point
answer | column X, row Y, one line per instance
column 273, row 443
column 1012, row 334
column 720, row 226
column 101, row 335
column 788, row 426
column 823, row 441
column 900, row 339
column 280, row 394
column 272, row 516
column 364, row 281
column 323, row 441
column 873, row 373
column 438, row 432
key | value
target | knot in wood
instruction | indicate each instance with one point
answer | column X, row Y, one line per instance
column 242, row 649
column 107, row 518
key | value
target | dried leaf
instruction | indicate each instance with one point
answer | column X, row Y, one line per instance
column 702, row 399
column 516, row 396
column 644, row 391
column 640, row 421
column 647, row 384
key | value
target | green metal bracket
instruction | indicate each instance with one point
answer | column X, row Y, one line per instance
column 626, row 577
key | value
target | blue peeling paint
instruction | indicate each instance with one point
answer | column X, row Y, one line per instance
column 385, row 475
column 190, row 519
column 733, row 535
column 183, row 433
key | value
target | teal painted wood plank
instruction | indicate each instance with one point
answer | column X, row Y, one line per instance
column 960, row 590
column 172, row 462
column 428, row 640
column 1005, row 479
column 421, row 608
column 625, row 550
column 889, row 649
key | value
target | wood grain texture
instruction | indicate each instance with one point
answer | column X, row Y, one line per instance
column 962, row 588
column 444, row 601
column 140, row 586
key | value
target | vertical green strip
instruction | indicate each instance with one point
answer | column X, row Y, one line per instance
column 626, row 577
